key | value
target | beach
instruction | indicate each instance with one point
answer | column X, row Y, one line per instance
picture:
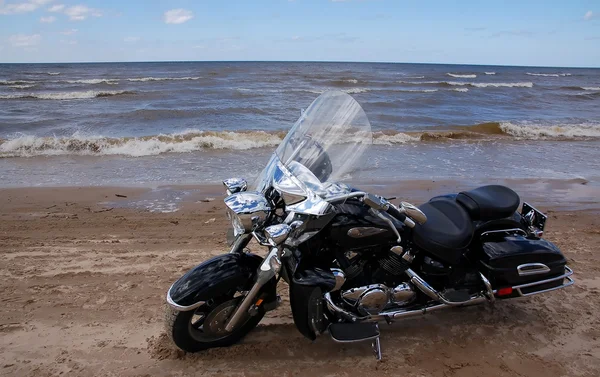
column 85, row 271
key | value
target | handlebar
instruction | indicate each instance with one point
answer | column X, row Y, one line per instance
column 395, row 213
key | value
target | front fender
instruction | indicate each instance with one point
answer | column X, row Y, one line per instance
column 213, row 278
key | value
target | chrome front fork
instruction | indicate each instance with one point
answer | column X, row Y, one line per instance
column 270, row 266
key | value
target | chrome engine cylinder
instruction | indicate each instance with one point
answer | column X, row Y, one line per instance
column 376, row 297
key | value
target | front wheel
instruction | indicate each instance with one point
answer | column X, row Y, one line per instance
column 204, row 327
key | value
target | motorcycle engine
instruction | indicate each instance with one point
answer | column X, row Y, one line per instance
column 372, row 299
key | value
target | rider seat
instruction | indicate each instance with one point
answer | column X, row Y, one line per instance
column 448, row 230
column 489, row 202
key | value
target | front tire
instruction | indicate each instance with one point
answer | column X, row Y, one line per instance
column 191, row 331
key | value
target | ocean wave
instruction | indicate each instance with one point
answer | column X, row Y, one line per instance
column 462, row 76
column 53, row 73
column 94, row 81
column 66, row 95
column 490, row 73
column 527, row 84
column 590, row 87
column 548, row 74
column 197, row 140
column 24, row 86
column 566, row 131
column 145, row 79
column 16, row 82
column 464, row 90
column 356, row 90
column 414, row 77
column 188, row 141
column 493, row 84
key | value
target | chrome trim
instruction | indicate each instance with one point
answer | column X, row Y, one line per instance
column 566, row 275
column 247, row 210
column 532, row 269
column 511, row 230
column 234, row 185
column 364, row 231
column 488, row 286
column 396, row 314
column 354, row 194
column 178, row 307
column 429, row 290
column 388, row 221
column 266, row 271
column 340, row 278
column 277, row 234
column 414, row 213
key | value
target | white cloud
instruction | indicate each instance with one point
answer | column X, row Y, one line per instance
column 68, row 42
column 588, row 15
column 81, row 12
column 177, row 16
column 25, row 7
column 69, row 32
column 23, row 40
column 48, row 19
column 131, row 39
column 56, row 8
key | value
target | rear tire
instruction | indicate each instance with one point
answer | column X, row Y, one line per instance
column 191, row 336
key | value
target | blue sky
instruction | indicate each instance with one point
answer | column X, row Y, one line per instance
column 546, row 33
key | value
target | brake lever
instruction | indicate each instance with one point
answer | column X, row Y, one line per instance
column 388, row 220
column 391, row 198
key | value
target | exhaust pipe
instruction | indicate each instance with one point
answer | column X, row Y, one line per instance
column 398, row 314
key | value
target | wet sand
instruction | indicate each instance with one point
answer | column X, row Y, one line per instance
column 84, row 274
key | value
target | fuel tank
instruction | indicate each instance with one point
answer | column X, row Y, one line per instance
column 354, row 227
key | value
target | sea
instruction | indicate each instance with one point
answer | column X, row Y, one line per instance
column 182, row 123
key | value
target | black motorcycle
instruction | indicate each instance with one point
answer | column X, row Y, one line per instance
column 352, row 258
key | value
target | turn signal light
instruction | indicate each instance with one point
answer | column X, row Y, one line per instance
column 505, row 291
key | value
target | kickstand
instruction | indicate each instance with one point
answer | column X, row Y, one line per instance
column 377, row 348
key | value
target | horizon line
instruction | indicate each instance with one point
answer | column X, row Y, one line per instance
column 299, row 61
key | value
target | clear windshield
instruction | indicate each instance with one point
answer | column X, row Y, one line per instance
column 326, row 143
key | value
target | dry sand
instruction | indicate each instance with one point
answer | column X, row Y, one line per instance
column 83, row 288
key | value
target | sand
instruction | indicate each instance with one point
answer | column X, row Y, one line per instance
column 83, row 283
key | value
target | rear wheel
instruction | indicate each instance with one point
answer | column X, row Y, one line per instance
column 204, row 327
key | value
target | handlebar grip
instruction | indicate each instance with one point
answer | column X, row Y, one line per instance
column 395, row 213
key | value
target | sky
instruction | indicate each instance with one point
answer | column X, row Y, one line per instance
column 537, row 33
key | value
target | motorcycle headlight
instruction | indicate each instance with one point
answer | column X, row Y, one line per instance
column 247, row 211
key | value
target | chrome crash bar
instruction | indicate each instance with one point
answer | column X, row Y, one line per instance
column 566, row 275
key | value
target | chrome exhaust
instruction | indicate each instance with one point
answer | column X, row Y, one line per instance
column 397, row 314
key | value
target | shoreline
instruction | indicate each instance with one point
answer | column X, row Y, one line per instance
column 569, row 194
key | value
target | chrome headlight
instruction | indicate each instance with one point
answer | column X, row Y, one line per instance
column 247, row 211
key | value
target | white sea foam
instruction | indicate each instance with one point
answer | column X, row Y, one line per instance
column 188, row 141
column 566, row 131
column 144, row 79
column 65, row 95
column 414, row 77
column 16, row 82
column 490, row 73
column 493, row 84
column 548, row 74
column 94, row 81
column 462, row 76
column 463, row 90
column 591, row 88
column 53, row 73
column 356, row 90
column 21, row 86
column 380, row 138
column 352, row 81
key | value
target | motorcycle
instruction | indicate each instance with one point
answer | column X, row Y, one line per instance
column 351, row 258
